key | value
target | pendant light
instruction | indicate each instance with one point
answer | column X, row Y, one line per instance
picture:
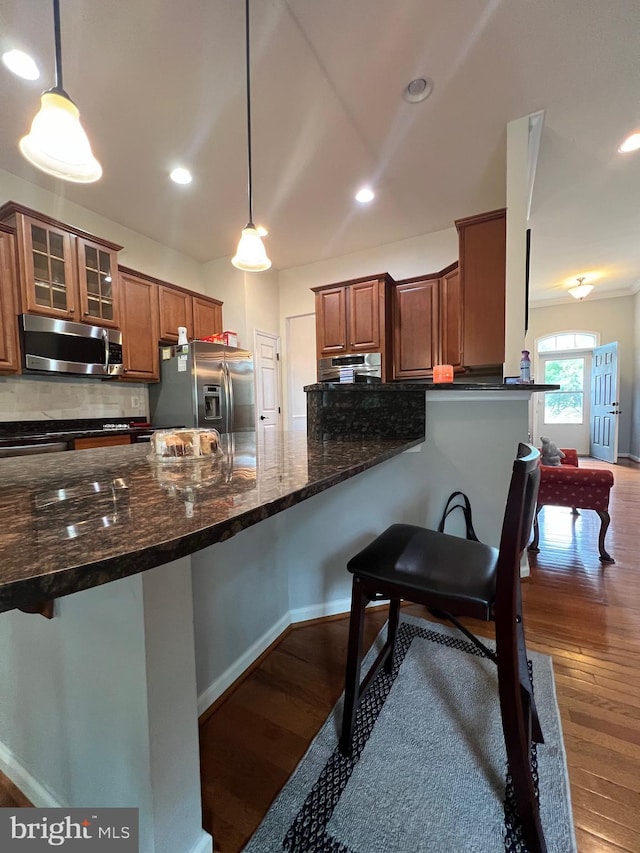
column 250, row 255
column 57, row 143
column 581, row 290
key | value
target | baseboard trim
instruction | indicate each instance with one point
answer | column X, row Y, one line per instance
column 634, row 458
column 204, row 844
column 39, row 794
column 238, row 667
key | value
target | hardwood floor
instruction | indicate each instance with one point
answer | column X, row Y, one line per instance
column 585, row 616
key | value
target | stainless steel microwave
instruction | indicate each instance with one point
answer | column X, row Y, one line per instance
column 60, row 346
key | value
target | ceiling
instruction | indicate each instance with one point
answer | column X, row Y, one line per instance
column 161, row 83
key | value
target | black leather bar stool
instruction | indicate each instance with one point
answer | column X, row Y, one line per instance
column 458, row 577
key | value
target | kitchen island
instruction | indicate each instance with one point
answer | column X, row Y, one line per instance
column 99, row 705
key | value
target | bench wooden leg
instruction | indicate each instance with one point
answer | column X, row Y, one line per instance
column 605, row 520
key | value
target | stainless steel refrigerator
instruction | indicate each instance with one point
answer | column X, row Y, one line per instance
column 204, row 385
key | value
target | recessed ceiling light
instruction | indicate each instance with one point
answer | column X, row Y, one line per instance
column 21, row 64
column 262, row 231
column 418, row 90
column 631, row 143
column 181, row 176
column 365, row 195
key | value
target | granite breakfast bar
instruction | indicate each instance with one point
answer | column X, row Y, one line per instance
column 99, row 705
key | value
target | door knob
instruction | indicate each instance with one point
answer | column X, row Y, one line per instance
column 263, row 417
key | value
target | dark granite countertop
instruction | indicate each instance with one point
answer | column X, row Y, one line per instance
column 77, row 520
column 426, row 385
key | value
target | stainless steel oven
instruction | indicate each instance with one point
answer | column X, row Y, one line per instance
column 357, row 367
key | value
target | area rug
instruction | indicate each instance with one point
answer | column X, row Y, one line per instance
column 429, row 769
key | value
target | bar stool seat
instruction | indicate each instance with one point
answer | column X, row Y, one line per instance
column 457, row 577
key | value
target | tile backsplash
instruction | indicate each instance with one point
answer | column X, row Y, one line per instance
column 31, row 398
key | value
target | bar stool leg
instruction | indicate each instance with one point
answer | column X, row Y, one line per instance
column 352, row 676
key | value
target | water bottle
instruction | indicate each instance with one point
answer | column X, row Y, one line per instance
column 525, row 367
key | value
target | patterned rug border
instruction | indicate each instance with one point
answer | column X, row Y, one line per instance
column 303, row 808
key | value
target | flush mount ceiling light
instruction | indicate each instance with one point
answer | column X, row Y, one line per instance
column 180, row 175
column 57, row 143
column 250, row 255
column 365, row 195
column 631, row 143
column 21, row 63
column 580, row 290
column 418, row 90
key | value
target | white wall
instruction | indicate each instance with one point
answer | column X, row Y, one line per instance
column 98, row 705
column 139, row 252
column 517, row 203
column 614, row 319
column 635, row 416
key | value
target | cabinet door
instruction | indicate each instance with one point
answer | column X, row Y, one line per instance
column 47, row 274
column 451, row 319
column 207, row 317
column 9, row 357
column 176, row 309
column 98, row 284
column 363, row 312
column 331, row 321
column 482, row 273
column 139, row 328
column 415, row 329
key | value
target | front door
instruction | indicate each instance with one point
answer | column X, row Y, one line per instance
column 563, row 415
column 267, row 369
column 605, row 406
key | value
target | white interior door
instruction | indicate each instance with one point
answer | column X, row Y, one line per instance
column 267, row 371
column 605, row 405
column 563, row 415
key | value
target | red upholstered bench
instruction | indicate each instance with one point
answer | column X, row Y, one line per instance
column 584, row 488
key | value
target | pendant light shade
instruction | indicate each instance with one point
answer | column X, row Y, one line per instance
column 250, row 255
column 57, row 143
column 581, row 290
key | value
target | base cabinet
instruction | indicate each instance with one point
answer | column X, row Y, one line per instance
column 140, row 327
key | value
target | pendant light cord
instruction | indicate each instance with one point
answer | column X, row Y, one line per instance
column 250, row 182
column 58, row 42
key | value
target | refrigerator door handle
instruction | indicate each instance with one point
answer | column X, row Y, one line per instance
column 229, row 382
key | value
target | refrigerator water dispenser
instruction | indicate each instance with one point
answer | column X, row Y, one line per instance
column 212, row 403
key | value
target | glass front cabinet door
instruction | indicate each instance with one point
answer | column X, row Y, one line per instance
column 98, row 283
column 63, row 271
column 48, row 281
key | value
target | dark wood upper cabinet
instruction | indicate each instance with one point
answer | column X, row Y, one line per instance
column 63, row 271
column 140, row 327
column 415, row 327
column 176, row 309
column 354, row 316
column 427, row 324
column 9, row 357
column 331, row 321
column 482, row 243
column 98, row 283
column 366, row 315
column 207, row 316
column 451, row 312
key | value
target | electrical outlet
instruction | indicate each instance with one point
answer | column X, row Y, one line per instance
column 135, row 402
